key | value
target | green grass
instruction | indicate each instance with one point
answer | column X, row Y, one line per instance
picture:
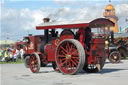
column 10, row 62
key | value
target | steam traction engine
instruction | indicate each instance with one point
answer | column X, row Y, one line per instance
column 71, row 52
column 32, row 44
column 112, row 52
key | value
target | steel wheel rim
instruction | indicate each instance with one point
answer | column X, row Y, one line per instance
column 33, row 63
column 26, row 61
column 115, row 57
column 68, row 58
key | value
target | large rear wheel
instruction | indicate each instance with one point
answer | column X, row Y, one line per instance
column 70, row 56
column 34, row 63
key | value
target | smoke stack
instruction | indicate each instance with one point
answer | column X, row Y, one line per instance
column 29, row 34
column 46, row 20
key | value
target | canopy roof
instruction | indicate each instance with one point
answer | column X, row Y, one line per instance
column 121, row 35
column 100, row 22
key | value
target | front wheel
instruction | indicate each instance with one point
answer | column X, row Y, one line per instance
column 26, row 61
column 70, row 56
column 114, row 57
column 34, row 63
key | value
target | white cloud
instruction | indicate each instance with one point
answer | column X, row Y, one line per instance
column 19, row 22
column 122, row 13
column 122, row 9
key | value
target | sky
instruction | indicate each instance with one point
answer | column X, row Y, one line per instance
column 18, row 18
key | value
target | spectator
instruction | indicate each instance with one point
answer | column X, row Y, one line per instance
column 17, row 53
column 21, row 53
column 10, row 57
column 6, row 55
column 2, row 57
column 0, row 54
column 14, row 55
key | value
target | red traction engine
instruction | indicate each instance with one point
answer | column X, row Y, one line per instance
column 71, row 52
column 18, row 44
column 32, row 44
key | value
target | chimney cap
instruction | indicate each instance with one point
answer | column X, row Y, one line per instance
column 29, row 34
column 46, row 20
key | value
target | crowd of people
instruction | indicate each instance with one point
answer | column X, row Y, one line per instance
column 11, row 55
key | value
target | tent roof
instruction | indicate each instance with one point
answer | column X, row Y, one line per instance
column 2, row 42
column 119, row 35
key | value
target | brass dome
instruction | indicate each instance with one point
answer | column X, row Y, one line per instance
column 110, row 7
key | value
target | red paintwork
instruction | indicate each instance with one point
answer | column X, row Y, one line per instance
column 18, row 43
column 67, row 65
column 66, row 35
column 33, row 66
column 50, row 52
column 55, row 42
column 102, row 22
column 82, row 36
column 97, row 45
column 63, row 26
column 94, row 56
column 34, row 45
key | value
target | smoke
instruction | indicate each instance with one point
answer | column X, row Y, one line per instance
column 60, row 14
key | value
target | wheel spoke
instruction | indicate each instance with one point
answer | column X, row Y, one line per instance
column 67, row 47
column 75, row 52
column 72, row 67
column 64, row 52
column 64, row 49
column 76, row 61
column 70, row 51
column 73, row 62
column 62, row 63
column 34, row 63
column 75, row 57
column 63, row 59
column 69, row 54
column 61, row 55
column 69, row 64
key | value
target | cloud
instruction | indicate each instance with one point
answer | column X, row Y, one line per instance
column 17, row 23
column 122, row 10
column 122, row 13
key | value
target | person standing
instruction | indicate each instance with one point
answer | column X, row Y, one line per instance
column 14, row 55
column 21, row 53
column 0, row 54
column 6, row 55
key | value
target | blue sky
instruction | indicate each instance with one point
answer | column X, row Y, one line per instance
column 19, row 17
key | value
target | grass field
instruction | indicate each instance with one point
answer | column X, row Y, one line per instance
column 11, row 62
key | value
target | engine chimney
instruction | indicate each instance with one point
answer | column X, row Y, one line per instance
column 46, row 20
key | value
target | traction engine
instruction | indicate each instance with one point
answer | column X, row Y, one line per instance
column 70, row 52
